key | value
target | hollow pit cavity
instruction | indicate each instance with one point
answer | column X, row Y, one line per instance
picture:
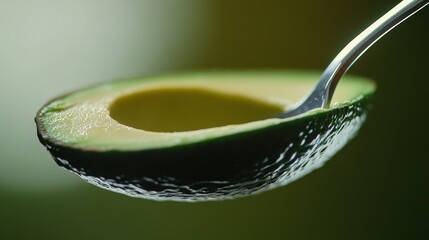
column 188, row 109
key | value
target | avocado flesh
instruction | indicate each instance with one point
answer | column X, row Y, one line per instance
column 87, row 132
column 187, row 109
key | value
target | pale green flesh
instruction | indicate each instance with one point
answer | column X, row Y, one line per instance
column 105, row 117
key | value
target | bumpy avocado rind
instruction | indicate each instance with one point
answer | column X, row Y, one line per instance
column 219, row 168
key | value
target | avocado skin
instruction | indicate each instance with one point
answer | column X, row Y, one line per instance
column 221, row 168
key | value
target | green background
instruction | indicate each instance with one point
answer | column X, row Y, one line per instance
column 375, row 188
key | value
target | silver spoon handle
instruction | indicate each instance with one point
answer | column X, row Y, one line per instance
column 322, row 94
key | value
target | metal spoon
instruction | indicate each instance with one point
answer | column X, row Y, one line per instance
column 321, row 96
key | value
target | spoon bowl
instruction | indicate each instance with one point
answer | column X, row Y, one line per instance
column 85, row 137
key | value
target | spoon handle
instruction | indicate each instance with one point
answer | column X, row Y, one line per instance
column 324, row 90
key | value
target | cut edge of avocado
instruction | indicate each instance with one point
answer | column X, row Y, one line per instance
column 82, row 120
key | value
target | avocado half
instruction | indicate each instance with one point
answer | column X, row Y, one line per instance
column 199, row 136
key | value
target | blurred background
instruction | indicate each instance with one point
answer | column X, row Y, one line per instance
column 375, row 188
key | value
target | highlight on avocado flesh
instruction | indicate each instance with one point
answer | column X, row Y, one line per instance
column 199, row 136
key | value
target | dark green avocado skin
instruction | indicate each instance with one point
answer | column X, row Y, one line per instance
column 222, row 168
